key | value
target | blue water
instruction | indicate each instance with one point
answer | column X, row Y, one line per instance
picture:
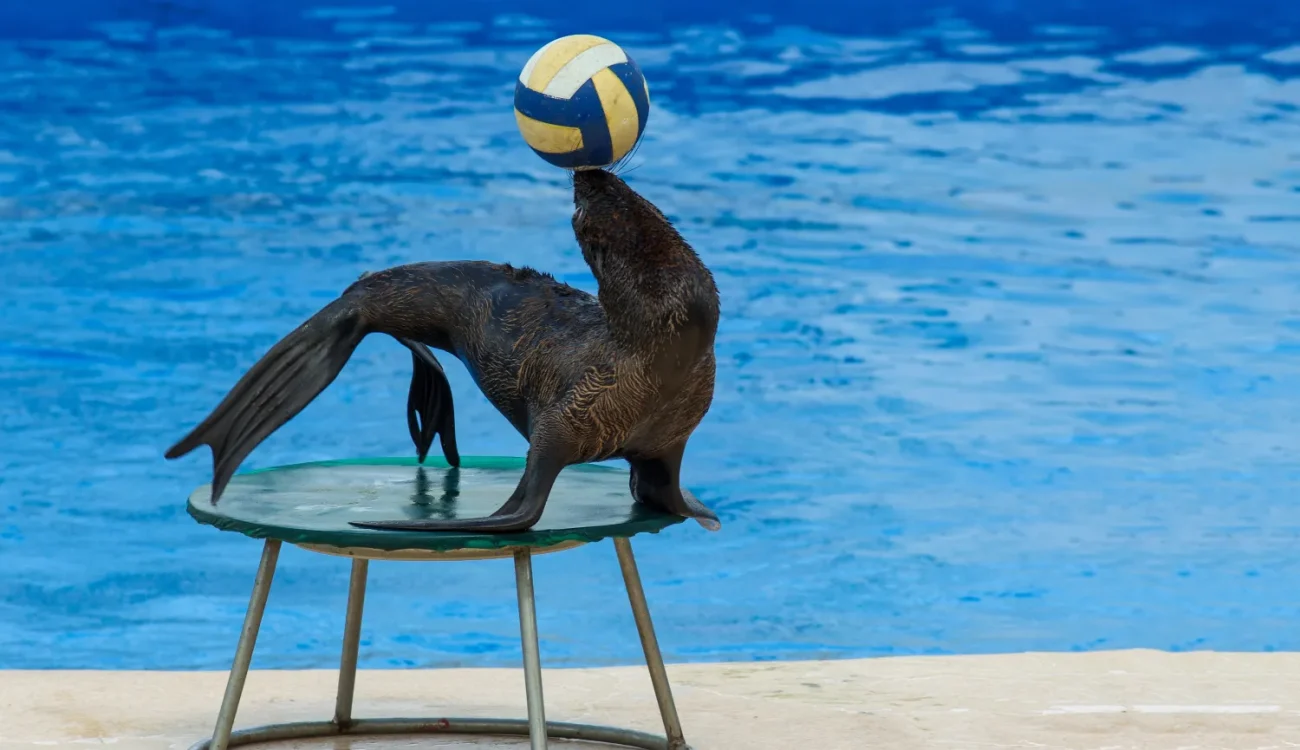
column 1009, row 359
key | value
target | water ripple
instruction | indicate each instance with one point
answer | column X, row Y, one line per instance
column 1007, row 361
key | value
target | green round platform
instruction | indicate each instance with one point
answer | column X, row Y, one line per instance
column 312, row 503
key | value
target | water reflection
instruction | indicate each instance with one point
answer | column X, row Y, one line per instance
column 424, row 504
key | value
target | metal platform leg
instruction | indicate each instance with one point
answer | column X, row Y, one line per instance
column 351, row 643
column 532, row 657
column 650, row 644
column 536, row 728
column 247, row 639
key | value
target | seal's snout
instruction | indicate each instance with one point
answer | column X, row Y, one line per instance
column 595, row 192
column 593, row 184
column 590, row 178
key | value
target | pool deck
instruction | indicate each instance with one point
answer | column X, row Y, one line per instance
column 1118, row 700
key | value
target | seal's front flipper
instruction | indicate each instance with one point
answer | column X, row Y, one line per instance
column 274, row 390
column 429, row 408
column 657, row 482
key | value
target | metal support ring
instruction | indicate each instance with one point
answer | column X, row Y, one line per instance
column 492, row 727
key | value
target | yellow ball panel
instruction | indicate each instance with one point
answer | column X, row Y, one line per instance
column 620, row 111
column 556, row 55
column 548, row 138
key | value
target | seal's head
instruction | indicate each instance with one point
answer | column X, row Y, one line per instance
column 610, row 218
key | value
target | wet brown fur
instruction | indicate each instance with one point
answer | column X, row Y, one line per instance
column 628, row 373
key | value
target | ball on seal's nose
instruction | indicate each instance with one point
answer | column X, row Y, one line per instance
column 581, row 102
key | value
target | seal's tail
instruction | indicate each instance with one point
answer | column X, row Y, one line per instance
column 289, row 376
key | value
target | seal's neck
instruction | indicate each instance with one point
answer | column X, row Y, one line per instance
column 652, row 292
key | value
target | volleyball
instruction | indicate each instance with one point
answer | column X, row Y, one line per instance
column 581, row 102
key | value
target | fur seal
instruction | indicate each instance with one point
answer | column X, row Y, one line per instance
column 627, row 373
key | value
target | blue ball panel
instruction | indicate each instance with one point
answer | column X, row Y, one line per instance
column 571, row 160
column 539, row 106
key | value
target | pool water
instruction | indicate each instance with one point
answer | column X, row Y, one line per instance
column 1009, row 357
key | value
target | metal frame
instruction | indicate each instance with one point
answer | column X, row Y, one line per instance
column 535, row 727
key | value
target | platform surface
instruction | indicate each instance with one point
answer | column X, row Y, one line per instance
column 313, row 503
column 1118, row 700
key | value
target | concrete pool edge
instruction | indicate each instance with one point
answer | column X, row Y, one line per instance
column 1115, row 699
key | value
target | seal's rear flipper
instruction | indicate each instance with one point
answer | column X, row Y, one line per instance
column 429, row 409
column 690, row 507
column 274, row 390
